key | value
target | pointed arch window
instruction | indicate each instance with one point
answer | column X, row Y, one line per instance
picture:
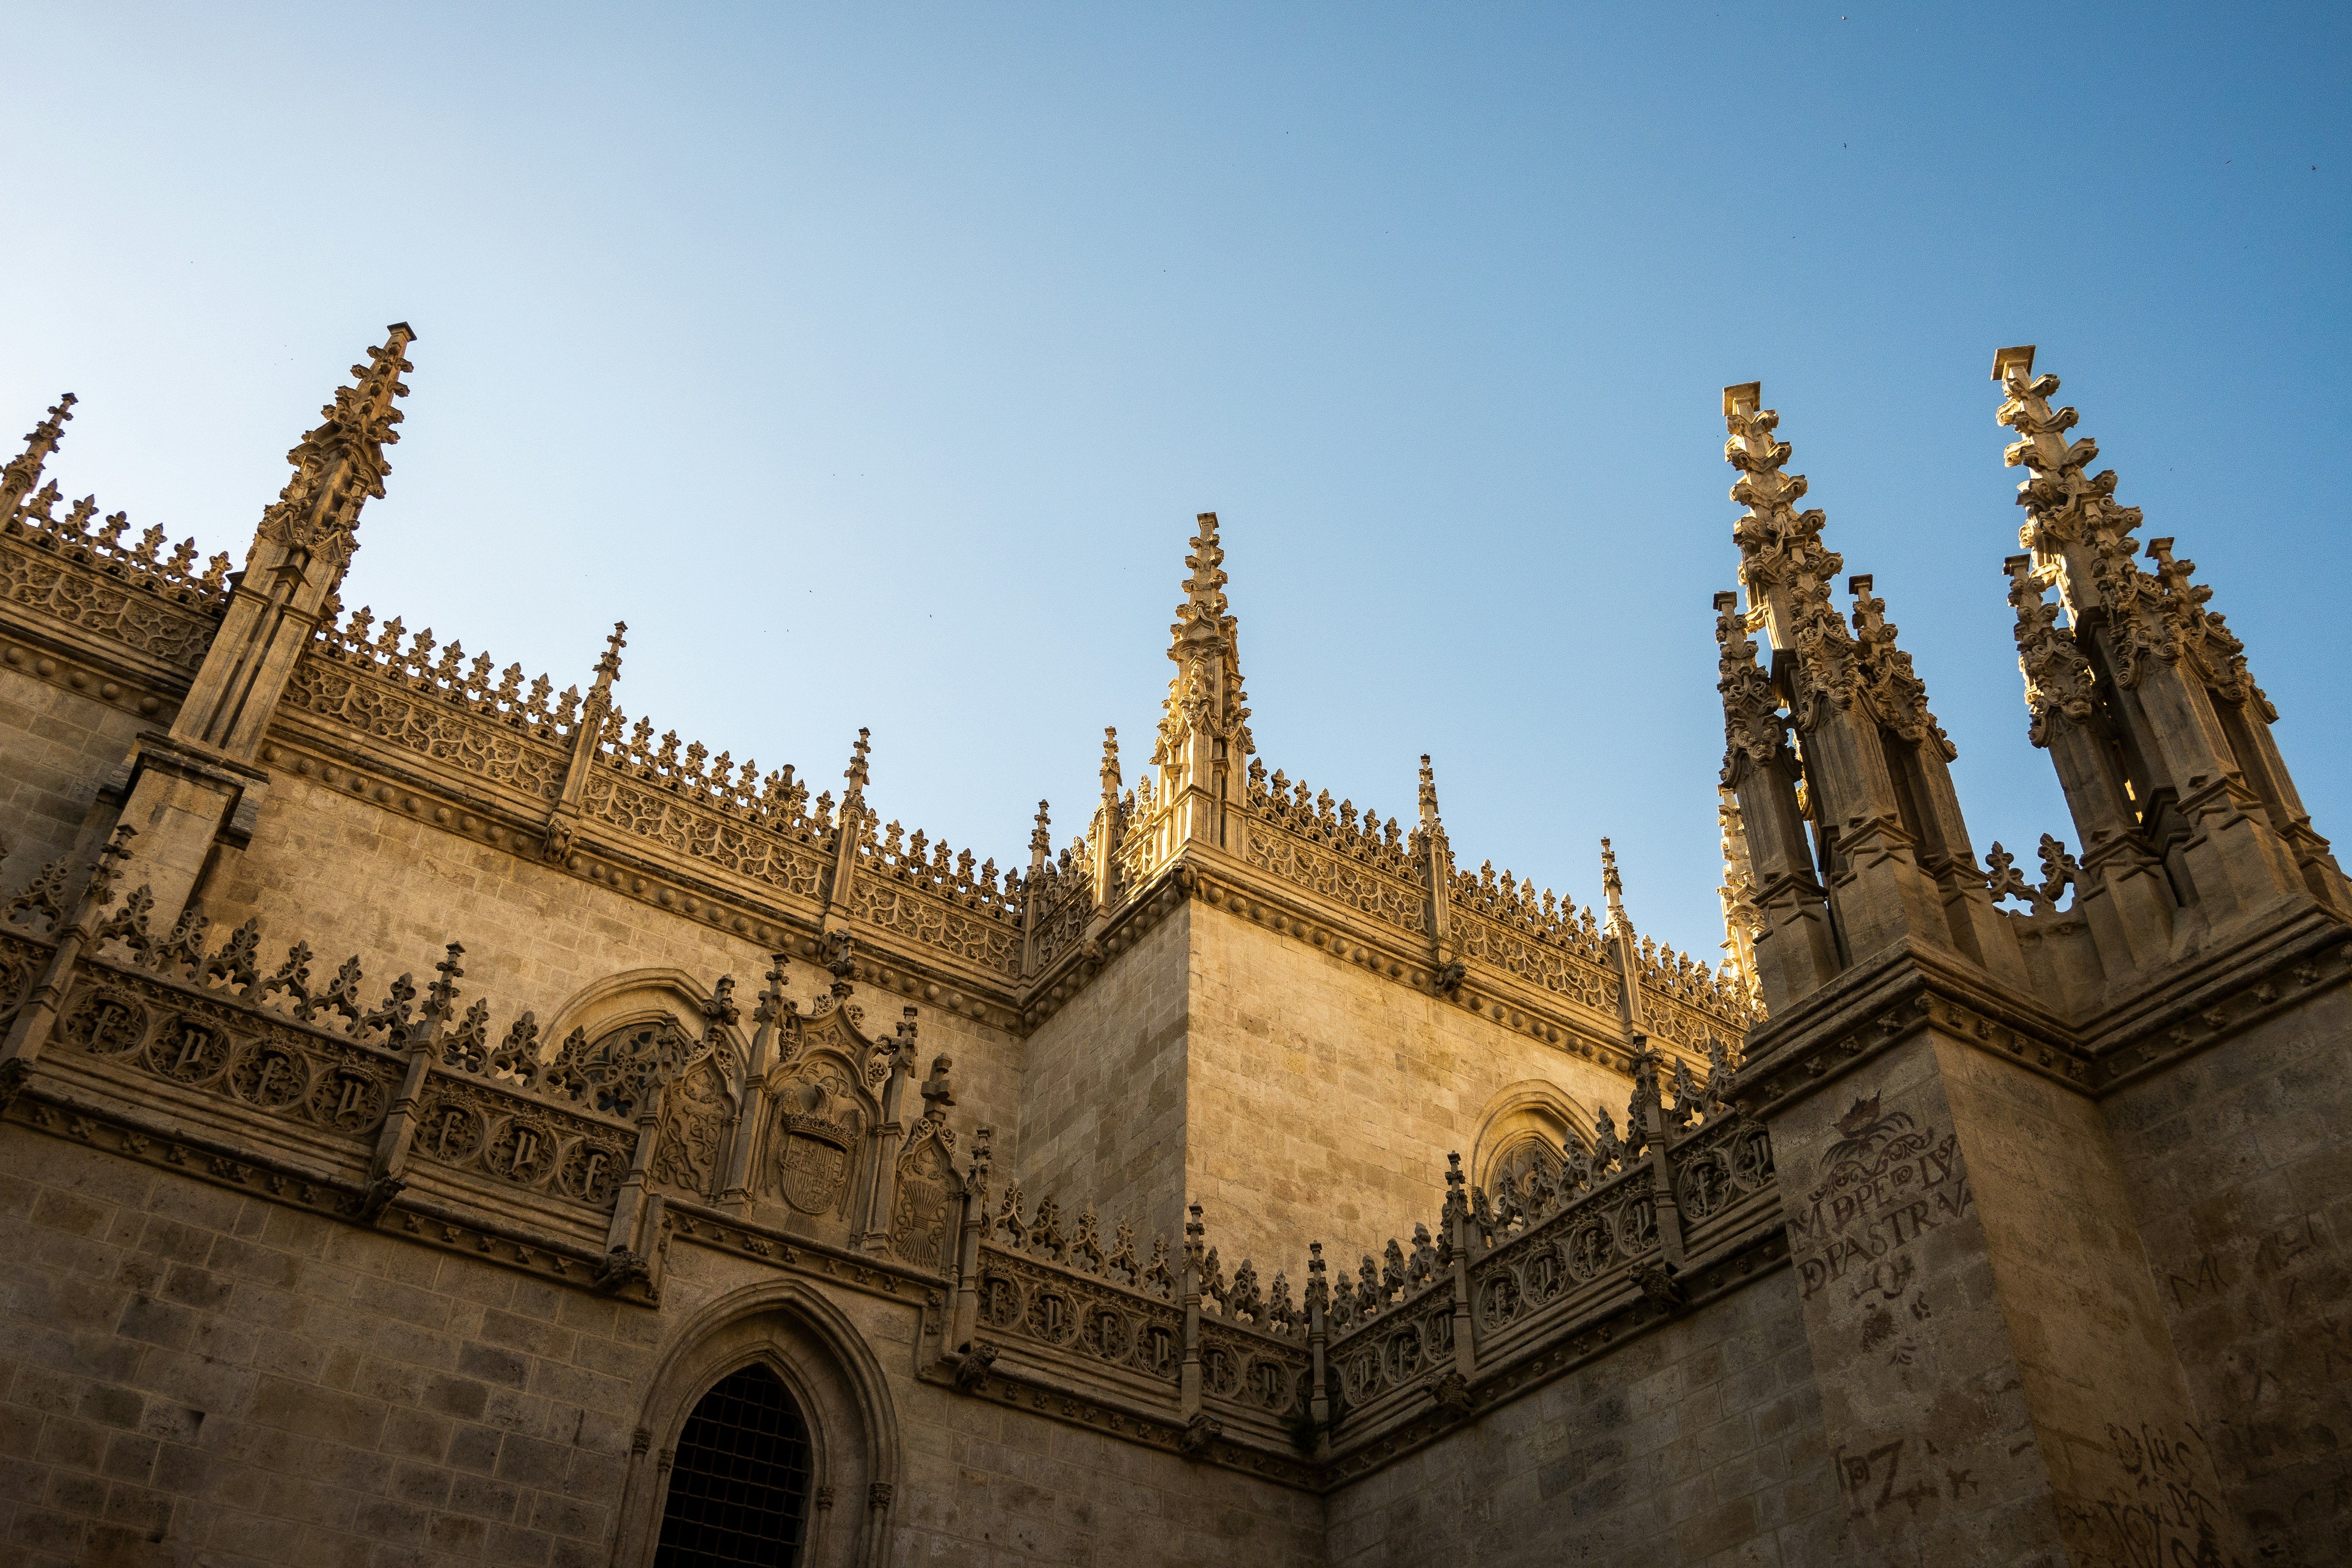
column 739, row 1487
column 1529, row 1160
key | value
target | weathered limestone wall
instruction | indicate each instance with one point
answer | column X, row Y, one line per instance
column 1925, row 1406
column 1322, row 1102
column 190, row 1375
column 1699, row 1442
column 2111, row 1406
column 2238, row 1165
column 1997, row 1377
column 348, row 877
column 191, row 1371
column 59, row 746
column 1103, row 1098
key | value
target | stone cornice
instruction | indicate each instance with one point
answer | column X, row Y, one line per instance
column 148, row 1140
column 1874, row 1006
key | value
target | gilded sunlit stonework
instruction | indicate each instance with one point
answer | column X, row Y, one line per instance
column 422, row 1087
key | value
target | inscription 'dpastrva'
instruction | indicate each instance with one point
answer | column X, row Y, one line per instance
column 1885, row 1182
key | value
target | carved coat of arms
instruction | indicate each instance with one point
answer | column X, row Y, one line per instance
column 918, row 1220
column 819, row 1129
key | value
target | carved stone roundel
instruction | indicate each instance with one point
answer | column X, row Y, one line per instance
column 591, row 1170
column 346, row 1100
column 1589, row 1247
column 189, row 1050
column 524, row 1151
column 270, row 1077
column 107, row 1022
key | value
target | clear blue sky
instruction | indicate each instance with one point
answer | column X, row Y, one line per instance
column 873, row 362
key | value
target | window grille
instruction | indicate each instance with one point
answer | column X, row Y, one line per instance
column 739, row 1487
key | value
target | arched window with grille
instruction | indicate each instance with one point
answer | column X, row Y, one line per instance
column 739, row 1486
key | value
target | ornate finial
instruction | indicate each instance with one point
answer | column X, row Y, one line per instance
column 1612, row 891
column 339, row 466
column 1896, row 697
column 441, row 996
column 720, row 1011
column 1753, row 728
column 1110, row 779
column 1205, row 694
column 2083, row 541
column 857, row 774
column 771, row 1006
column 23, row 472
column 1428, row 794
column 608, row 669
column 116, row 849
column 1205, row 588
column 2058, row 678
column 1743, row 921
column 1782, row 562
column 1041, row 839
column 2078, row 535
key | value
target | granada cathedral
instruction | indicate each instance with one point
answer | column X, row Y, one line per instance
column 449, row 1120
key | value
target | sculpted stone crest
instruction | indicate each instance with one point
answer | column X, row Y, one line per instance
column 818, row 1129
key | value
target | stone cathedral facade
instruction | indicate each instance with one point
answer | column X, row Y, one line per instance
column 445, row 1121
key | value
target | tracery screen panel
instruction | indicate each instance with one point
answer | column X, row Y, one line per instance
column 739, row 1487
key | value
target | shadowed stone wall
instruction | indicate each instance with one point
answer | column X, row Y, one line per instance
column 1321, row 1103
column 59, row 745
column 2240, row 1176
column 1698, row 1443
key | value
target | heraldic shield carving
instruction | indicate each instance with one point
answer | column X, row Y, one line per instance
column 819, row 1130
column 918, row 1221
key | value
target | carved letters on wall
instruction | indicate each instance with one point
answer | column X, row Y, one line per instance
column 472, row 1127
column 339, row 1088
column 1245, row 1369
column 424, row 724
column 1032, row 1299
column 1886, row 1181
column 90, row 602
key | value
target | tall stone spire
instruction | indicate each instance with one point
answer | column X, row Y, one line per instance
column 1109, row 824
column 1784, row 565
column 2175, row 755
column 1612, row 892
column 608, row 666
column 200, row 785
column 339, row 466
column 595, row 715
column 1436, row 856
column 1204, row 723
column 23, row 470
column 1742, row 917
column 298, row 557
column 1794, row 947
column 1891, row 843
